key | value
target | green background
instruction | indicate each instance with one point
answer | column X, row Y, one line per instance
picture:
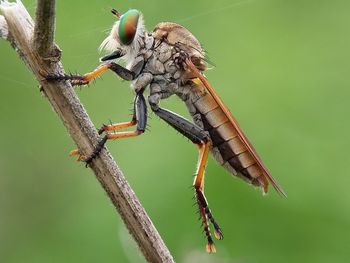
column 282, row 67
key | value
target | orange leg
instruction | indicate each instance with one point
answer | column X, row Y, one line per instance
column 201, row 199
column 80, row 79
column 119, row 135
column 200, row 137
column 94, row 74
column 110, row 136
column 87, row 78
column 202, row 162
column 112, row 127
column 139, row 119
column 116, row 126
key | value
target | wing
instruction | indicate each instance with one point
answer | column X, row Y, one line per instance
column 175, row 34
column 267, row 176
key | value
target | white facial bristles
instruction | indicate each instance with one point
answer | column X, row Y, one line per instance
column 3, row 28
column 111, row 43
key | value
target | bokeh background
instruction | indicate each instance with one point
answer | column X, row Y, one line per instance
column 282, row 67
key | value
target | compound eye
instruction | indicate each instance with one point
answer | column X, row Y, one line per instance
column 128, row 26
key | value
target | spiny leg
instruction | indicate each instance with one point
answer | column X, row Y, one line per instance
column 116, row 126
column 88, row 77
column 110, row 136
column 201, row 199
column 111, row 127
column 199, row 188
column 140, row 119
column 198, row 136
column 123, row 125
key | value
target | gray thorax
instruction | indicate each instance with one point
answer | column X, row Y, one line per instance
column 155, row 66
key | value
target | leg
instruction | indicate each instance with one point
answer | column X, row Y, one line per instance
column 140, row 119
column 112, row 127
column 204, row 209
column 191, row 131
column 114, row 55
column 117, row 126
column 86, row 79
column 199, row 137
column 138, row 102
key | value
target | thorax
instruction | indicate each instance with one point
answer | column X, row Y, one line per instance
column 160, row 62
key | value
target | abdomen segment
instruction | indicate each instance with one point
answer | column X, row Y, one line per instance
column 228, row 148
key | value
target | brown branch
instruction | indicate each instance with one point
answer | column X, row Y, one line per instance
column 44, row 27
column 73, row 115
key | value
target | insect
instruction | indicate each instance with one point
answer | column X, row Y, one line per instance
column 170, row 60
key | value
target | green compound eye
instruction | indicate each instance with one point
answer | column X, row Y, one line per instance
column 128, row 25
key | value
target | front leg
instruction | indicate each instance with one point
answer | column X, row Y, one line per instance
column 77, row 80
column 122, row 72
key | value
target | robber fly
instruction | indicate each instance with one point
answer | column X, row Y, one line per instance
column 170, row 60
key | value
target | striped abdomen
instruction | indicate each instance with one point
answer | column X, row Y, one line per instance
column 228, row 147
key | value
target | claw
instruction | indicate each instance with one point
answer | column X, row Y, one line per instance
column 218, row 234
column 74, row 152
column 81, row 158
column 210, row 248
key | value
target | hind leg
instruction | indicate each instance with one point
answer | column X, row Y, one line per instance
column 198, row 136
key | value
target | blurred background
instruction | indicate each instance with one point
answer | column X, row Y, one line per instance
column 282, row 67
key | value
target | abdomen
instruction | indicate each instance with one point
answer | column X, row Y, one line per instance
column 227, row 147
